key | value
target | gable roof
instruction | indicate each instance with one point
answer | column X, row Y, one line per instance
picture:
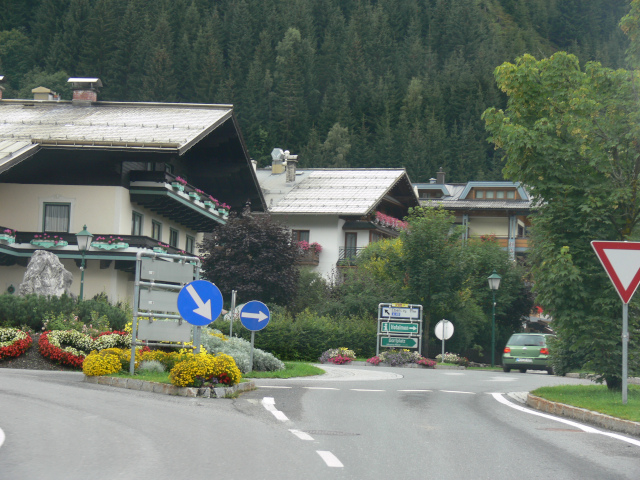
column 457, row 194
column 335, row 191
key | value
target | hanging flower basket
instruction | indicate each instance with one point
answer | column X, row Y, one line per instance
column 7, row 239
column 49, row 243
column 109, row 246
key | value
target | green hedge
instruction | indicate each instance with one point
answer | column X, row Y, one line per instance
column 30, row 310
column 307, row 336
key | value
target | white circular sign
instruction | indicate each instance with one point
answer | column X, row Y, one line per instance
column 444, row 329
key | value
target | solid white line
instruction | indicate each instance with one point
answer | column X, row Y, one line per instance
column 456, row 391
column 365, row 390
column 2, row 437
column 271, row 386
column 321, row 388
column 584, row 428
column 301, row 435
column 414, row 390
column 330, row 459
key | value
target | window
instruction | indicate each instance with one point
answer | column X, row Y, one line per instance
column 156, row 230
column 500, row 194
column 56, row 217
column 375, row 236
column 300, row 235
column 190, row 244
column 479, row 194
column 350, row 244
column 136, row 223
column 173, row 237
column 490, row 194
column 511, row 195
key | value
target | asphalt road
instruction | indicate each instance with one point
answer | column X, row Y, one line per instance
column 355, row 423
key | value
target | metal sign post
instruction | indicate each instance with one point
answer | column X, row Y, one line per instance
column 621, row 261
column 444, row 331
column 254, row 316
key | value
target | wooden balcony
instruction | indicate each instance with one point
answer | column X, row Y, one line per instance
column 310, row 257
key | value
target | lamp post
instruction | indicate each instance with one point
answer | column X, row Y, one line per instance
column 84, row 240
column 494, row 284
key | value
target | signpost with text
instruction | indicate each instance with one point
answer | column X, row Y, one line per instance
column 399, row 326
column 621, row 261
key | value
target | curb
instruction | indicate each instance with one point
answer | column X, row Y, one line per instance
column 584, row 415
column 630, row 380
column 166, row 389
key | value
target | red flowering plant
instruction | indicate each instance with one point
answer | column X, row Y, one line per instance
column 65, row 347
column 48, row 238
column 13, row 342
column 9, row 231
column 109, row 240
column 338, row 356
column 181, row 180
column 374, row 360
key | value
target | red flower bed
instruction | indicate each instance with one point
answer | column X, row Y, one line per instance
column 17, row 348
column 54, row 353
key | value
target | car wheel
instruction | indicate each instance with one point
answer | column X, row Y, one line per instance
column 523, row 370
column 550, row 370
column 506, row 369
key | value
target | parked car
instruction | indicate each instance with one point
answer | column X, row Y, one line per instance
column 527, row 351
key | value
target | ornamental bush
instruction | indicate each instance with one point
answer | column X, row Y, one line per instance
column 338, row 356
column 453, row 358
column 202, row 369
column 238, row 348
column 105, row 362
column 13, row 342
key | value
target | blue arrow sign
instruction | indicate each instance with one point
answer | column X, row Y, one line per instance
column 200, row 302
column 254, row 315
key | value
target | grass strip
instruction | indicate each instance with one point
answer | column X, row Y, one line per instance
column 597, row 398
column 292, row 369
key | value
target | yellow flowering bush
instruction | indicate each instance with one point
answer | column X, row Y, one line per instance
column 204, row 369
column 104, row 362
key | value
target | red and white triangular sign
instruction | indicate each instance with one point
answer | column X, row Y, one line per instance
column 621, row 260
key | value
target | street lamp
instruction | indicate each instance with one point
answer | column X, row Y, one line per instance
column 84, row 241
column 494, row 284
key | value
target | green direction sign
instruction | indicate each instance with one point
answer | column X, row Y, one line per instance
column 399, row 327
column 399, row 342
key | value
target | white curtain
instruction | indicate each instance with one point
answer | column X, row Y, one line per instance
column 56, row 218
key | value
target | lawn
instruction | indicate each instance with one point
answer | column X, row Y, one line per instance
column 292, row 369
column 596, row 398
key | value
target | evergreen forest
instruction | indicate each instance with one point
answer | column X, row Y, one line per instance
column 343, row 83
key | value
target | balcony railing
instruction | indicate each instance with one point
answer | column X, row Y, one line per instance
column 310, row 257
column 347, row 256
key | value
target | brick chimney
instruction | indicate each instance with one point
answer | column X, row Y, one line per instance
column 440, row 177
column 292, row 163
column 85, row 90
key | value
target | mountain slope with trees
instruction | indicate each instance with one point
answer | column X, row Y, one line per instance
column 356, row 83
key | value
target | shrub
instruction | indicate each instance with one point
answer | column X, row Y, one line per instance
column 453, row 358
column 399, row 357
column 104, row 362
column 240, row 349
column 203, row 368
column 13, row 342
column 152, row 366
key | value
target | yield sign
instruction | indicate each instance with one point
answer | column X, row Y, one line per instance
column 621, row 260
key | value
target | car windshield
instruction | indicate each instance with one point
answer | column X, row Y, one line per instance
column 527, row 340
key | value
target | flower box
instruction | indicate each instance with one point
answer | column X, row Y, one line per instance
column 159, row 250
column 109, row 246
column 177, row 186
column 49, row 243
column 7, row 239
column 223, row 211
column 194, row 196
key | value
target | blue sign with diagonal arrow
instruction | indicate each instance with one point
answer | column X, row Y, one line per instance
column 200, row 302
column 254, row 315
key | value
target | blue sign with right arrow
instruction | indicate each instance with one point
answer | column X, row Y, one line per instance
column 254, row 315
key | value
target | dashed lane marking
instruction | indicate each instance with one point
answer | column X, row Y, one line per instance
column 365, row 390
column 270, row 405
column 330, row 459
column 272, row 386
column 321, row 388
column 2, row 437
column 415, row 391
column 300, row 434
column 457, row 391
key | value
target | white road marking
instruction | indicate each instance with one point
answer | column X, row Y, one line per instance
column 321, row 388
column 301, row 435
column 272, row 386
column 270, row 405
column 415, row 390
column 365, row 390
column 2, row 437
column 457, row 391
column 330, row 459
column 502, row 379
column 584, row 428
